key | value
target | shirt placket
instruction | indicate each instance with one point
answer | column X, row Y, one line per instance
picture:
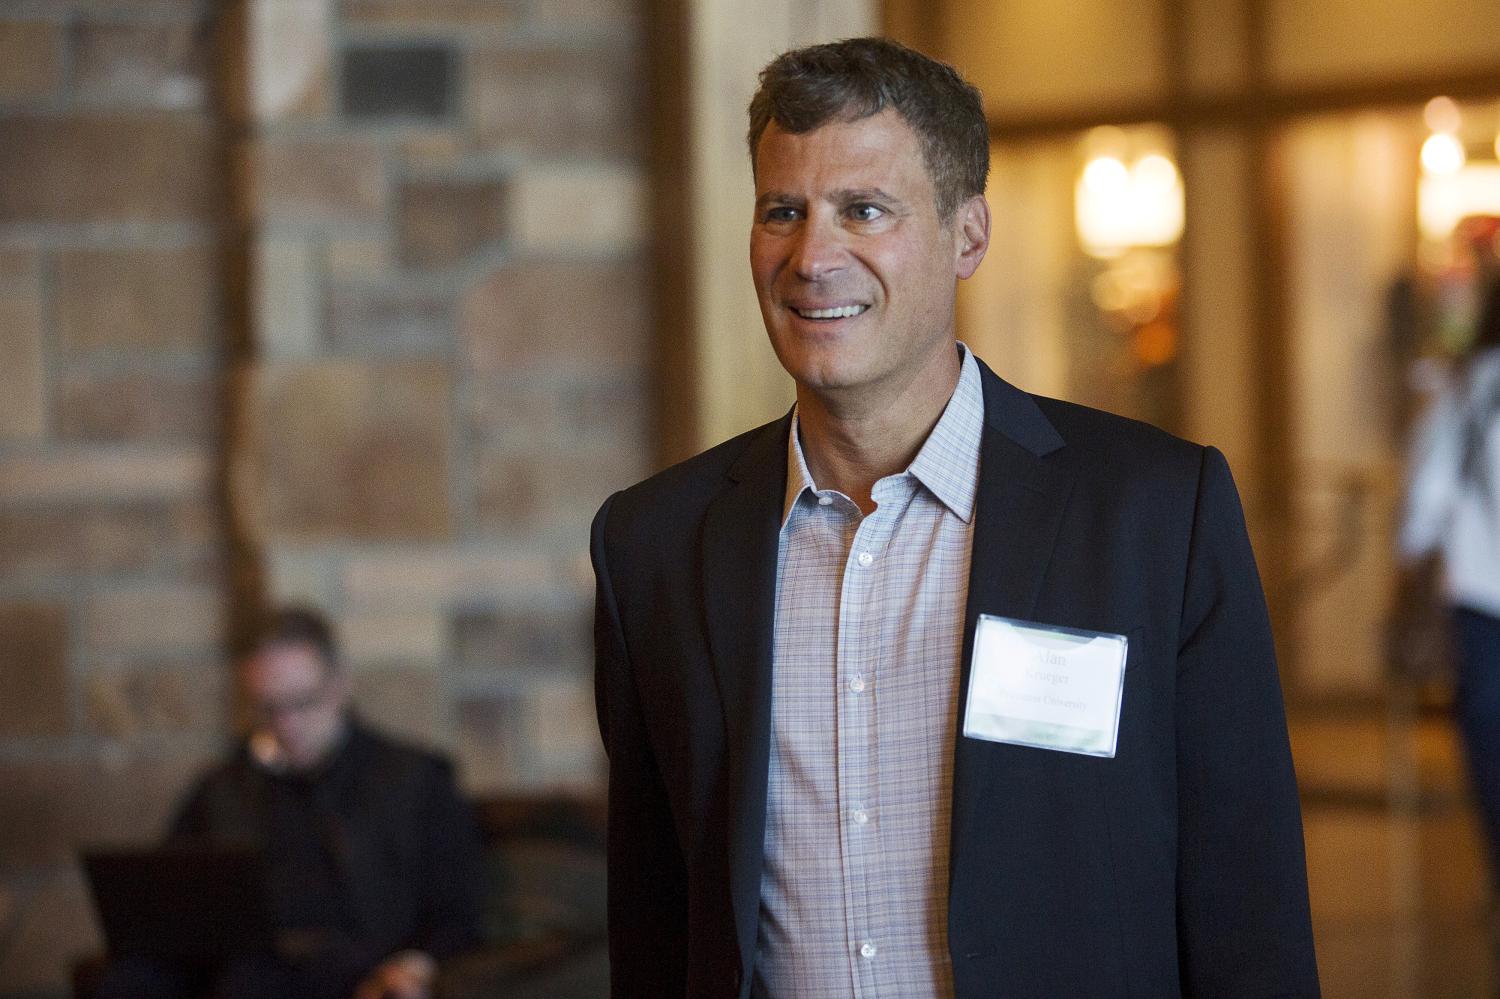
column 858, row 675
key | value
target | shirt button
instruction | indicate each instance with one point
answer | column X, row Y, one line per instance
column 861, row 816
column 866, row 559
column 825, row 501
column 867, row 949
column 857, row 684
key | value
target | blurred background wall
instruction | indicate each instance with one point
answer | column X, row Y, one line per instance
column 339, row 301
column 369, row 303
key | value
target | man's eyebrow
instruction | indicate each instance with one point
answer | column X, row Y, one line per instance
column 842, row 196
column 777, row 198
column 853, row 194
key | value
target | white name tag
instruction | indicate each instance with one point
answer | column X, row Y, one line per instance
column 1051, row 688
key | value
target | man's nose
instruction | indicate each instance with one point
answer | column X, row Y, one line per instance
column 819, row 251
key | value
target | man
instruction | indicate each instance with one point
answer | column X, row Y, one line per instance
column 372, row 858
column 786, row 631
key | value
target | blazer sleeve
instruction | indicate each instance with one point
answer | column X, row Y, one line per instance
column 1244, row 928
column 647, row 904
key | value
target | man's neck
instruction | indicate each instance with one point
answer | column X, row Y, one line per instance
column 851, row 443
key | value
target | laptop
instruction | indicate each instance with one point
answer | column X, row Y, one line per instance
column 196, row 905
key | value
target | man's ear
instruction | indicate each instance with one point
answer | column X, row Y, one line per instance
column 971, row 234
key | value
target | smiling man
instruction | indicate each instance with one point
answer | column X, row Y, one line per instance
column 932, row 687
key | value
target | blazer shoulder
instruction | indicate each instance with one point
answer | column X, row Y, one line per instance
column 1120, row 443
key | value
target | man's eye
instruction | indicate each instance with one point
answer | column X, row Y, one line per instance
column 781, row 213
column 866, row 213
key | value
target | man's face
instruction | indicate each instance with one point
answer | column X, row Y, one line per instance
column 297, row 699
column 855, row 271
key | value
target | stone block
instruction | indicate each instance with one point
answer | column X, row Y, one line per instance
column 20, row 269
column 305, row 180
column 295, row 576
column 444, row 221
column 137, row 407
column 350, row 451
column 134, row 299
column 437, row 578
column 562, row 733
column 518, row 639
column 394, row 637
column 434, row 13
column 619, row 20
column 23, row 375
column 381, row 318
column 161, row 8
column 33, row 670
column 128, row 703
column 284, row 287
column 49, row 168
column 106, row 475
column 54, row 926
column 48, row 809
column 158, row 65
column 612, row 411
column 410, row 81
column 404, row 702
column 435, row 150
column 522, row 491
column 358, row 258
column 290, row 51
column 587, row 209
column 559, row 101
column 154, row 620
column 30, row 60
column 197, row 522
column 84, row 539
column 558, row 315
column 491, row 753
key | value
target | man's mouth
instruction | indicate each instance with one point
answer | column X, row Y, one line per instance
column 836, row 312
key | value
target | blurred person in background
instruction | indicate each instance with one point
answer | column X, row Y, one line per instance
column 372, row 859
column 1451, row 521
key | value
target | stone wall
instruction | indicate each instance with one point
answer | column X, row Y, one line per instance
column 112, row 558
column 342, row 301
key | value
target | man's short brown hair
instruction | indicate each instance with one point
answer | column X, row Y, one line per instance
column 296, row 625
column 806, row 88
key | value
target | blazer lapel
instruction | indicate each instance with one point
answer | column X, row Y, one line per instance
column 740, row 540
column 1017, row 514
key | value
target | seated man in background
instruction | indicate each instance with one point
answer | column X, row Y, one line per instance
column 372, row 858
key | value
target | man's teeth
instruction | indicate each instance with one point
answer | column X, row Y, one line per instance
column 841, row 312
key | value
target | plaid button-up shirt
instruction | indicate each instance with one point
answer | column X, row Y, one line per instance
column 868, row 628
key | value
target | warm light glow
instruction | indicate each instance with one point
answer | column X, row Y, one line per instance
column 1442, row 115
column 1107, row 176
column 1117, row 207
column 1442, row 154
column 1155, row 173
column 1107, row 140
column 1443, row 200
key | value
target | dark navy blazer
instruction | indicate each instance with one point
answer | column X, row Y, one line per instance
column 1174, row 868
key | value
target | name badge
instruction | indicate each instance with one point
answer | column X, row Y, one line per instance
column 1046, row 687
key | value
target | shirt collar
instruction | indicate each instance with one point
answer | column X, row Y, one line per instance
column 948, row 462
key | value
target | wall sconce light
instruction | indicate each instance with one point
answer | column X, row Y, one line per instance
column 1128, row 208
column 1119, row 206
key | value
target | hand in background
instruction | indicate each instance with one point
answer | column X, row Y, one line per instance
column 407, row 975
